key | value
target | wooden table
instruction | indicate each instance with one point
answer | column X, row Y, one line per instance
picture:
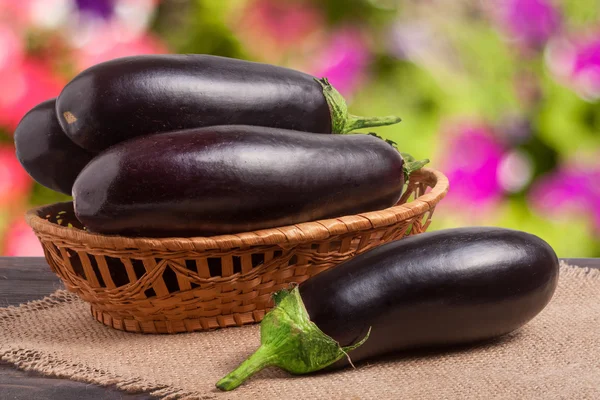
column 26, row 279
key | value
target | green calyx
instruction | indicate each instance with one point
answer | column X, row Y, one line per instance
column 410, row 164
column 344, row 122
column 290, row 341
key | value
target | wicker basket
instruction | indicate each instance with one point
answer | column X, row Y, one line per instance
column 191, row 284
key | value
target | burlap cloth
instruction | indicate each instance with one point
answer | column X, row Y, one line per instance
column 555, row 356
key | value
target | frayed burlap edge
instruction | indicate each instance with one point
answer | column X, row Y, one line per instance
column 46, row 364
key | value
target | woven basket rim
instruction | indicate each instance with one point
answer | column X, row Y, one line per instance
column 284, row 236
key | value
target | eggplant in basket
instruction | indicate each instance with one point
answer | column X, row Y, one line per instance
column 435, row 289
column 133, row 96
column 231, row 179
column 45, row 152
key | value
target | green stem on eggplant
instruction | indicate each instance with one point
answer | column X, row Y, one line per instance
column 290, row 341
column 344, row 122
column 410, row 164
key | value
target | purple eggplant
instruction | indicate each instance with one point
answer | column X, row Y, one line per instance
column 436, row 289
column 133, row 96
column 45, row 152
column 231, row 179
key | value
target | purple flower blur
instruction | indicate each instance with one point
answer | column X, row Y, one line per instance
column 344, row 61
column 586, row 69
column 530, row 22
column 473, row 158
column 99, row 8
column 568, row 190
column 588, row 57
column 577, row 63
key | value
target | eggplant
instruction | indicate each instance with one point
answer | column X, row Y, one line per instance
column 231, row 179
column 133, row 96
column 45, row 152
column 442, row 288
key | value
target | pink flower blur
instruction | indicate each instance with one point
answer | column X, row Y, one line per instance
column 530, row 22
column 344, row 61
column 15, row 12
column 103, row 48
column 14, row 181
column 11, row 47
column 25, row 85
column 587, row 57
column 576, row 62
column 471, row 161
column 281, row 23
column 568, row 190
column 20, row 241
column 586, row 69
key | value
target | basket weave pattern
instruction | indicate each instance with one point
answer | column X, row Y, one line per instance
column 176, row 285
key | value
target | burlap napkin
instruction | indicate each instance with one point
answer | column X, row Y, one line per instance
column 555, row 356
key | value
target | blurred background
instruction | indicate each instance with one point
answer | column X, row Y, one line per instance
column 503, row 96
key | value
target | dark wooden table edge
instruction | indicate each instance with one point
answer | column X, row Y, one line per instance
column 16, row 384
column 583, row 262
